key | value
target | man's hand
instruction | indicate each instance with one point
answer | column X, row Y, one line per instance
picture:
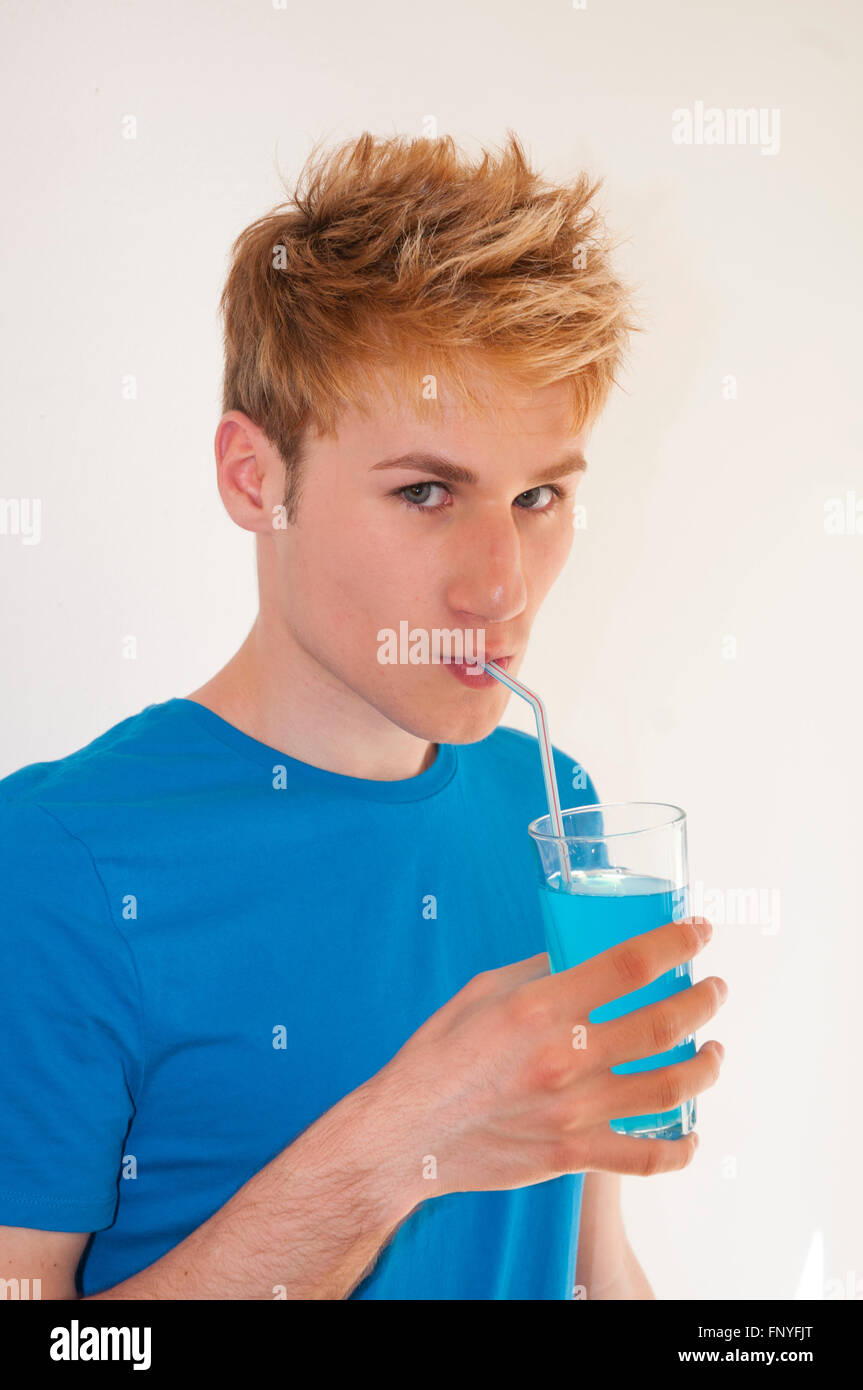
column 490, row 1092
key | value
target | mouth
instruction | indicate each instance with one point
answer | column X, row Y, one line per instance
column 478, row 680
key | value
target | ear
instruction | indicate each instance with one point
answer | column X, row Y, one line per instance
column 248, row 468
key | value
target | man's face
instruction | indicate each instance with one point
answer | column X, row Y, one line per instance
column 375, row 546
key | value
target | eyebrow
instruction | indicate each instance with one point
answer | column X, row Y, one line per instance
column 452, row 472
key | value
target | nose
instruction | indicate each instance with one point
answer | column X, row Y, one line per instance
column 486, row 577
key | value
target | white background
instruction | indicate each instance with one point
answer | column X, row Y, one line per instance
column 705, row 515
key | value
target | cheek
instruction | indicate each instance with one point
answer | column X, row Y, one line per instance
column 329, row 546
column 345, row 568
column 549, row 554
column 386, row 563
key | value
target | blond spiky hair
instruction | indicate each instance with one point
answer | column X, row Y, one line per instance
column 399, row 259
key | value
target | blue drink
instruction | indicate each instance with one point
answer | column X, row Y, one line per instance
column 598, row 909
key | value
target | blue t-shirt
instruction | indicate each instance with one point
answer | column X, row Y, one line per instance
column 205, row 944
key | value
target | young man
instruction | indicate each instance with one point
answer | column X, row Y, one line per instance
column 273, row 968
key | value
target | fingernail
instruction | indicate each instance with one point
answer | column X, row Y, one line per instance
column 704, row 928
column 723, row 989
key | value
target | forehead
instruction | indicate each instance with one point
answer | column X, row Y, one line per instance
column 506, row 418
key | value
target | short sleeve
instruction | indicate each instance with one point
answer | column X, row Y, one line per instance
column 70, row 1005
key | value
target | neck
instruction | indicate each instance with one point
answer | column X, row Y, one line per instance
column 273, row 690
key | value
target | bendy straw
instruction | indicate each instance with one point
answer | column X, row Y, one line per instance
column 544, row 740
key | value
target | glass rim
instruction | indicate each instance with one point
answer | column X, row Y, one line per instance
column 680, row 815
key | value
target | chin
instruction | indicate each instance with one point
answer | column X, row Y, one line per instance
column 456, row 725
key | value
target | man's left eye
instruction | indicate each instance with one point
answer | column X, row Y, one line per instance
column 534, row 492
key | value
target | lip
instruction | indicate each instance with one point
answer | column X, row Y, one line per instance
column 484, row 681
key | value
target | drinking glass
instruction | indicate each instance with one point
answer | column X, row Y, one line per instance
column 619, row 870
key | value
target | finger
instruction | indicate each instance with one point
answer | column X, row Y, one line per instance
column 656, row 1027
column 662, row 1088
column 649, row 1092
column 601, row 1150
column 630, row 964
